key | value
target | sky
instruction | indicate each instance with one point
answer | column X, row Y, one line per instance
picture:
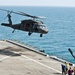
column 65, row 3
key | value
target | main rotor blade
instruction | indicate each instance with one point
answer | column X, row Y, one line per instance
column 22, row 13
column 31, row 15
column 11, row 11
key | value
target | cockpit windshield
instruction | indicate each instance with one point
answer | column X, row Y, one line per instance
column 42, row 26
column 39, row 22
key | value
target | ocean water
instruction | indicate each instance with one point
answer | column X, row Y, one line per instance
column 61, row 25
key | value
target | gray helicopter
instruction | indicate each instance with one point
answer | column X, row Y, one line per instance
column 29, row 25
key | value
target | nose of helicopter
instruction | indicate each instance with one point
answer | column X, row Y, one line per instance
column 42, row 29
column 46, row 31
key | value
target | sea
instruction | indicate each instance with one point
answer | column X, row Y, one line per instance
column 60, row 22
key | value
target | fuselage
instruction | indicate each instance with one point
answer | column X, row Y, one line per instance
column 29, row 26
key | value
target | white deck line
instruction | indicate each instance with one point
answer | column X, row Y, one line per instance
column 4, row 58
column 41, row 63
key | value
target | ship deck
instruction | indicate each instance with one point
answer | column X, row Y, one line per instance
column 18, row 60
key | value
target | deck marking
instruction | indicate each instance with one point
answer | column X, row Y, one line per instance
column 4, row 58
column 41, row 64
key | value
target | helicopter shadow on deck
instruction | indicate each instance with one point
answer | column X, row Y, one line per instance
column 8, row 52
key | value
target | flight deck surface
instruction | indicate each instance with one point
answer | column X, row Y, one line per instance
column 16, row 60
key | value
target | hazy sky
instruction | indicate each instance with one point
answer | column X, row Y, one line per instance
column 38, row 3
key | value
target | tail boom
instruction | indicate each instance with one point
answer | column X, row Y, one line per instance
column 6, row 24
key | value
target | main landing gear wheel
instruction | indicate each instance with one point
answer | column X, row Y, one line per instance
column 29, row 33
column 41, row 35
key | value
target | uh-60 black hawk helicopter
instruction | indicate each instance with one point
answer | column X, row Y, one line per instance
column 29, row 25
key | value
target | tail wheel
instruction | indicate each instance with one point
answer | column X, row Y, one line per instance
column 13, row 31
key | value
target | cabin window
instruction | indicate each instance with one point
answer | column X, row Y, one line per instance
column 27, row 26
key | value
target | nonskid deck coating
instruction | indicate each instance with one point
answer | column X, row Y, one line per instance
column 15, row 60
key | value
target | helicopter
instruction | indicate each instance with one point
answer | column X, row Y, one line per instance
column 28, row 25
